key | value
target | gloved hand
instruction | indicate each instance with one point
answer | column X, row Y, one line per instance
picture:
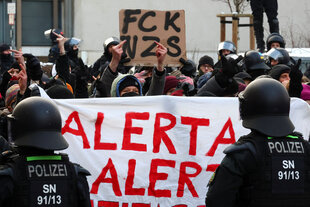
column 295, row 73
column 230, row 66
column 224, row 76
column 295, row 86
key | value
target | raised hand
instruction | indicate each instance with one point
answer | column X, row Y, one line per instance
column 161, row 52
column 117, row 52
column 18, row 55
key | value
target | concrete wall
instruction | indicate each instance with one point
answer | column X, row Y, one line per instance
column 96, row 20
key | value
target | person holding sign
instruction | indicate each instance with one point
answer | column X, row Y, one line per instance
column 35, row 175
column 117, row 85
column 270, row 165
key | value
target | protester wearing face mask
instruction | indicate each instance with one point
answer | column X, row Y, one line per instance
column 118, row 85
column 6, row 59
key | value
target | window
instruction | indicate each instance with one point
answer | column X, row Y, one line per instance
column 37, row 16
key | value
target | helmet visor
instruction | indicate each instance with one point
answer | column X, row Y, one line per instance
column 226, row 46
column 74, row 41
column 274, row 54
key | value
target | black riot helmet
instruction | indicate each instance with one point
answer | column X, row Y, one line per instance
column 36, row 122
column 264, row 106
column 227, row 45
column 254, row 60
column 275, row 37
column 70, row 43
column 280, row 55
column 110, row 41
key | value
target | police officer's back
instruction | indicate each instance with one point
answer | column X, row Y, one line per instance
column 269, row 166
column 36, row 176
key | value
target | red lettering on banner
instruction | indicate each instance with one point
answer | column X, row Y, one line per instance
column 184, row 178
column 107, row 204
column 129, row 190
column 154, row 176
column 194, row 122
column 160, row 132
column 141, row 205
column 129, row 129
column 212, row 167
column 220, row 138
column 101, row 145
column 102, row 179
column 78, row 132
column 116, row 204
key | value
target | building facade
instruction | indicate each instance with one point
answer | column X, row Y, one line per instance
column 93, row 21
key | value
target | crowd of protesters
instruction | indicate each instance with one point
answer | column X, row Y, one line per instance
column 21, row 74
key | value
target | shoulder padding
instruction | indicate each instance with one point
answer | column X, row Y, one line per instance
column 80, row 170
column 295, row 133
column 240, row 147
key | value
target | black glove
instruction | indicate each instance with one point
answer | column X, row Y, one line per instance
column 295, row 87
column 225, row 75
column 295, row 73
column 230, row 66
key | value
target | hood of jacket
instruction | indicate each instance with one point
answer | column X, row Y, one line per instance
column 118, row 80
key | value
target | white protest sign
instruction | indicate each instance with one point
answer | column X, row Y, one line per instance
column 155, row 151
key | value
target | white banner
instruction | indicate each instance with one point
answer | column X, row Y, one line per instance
column 155, row 151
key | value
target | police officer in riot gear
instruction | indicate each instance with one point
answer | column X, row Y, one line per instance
column 270, row 7
column 279, row 56
column 270, row 165
column 225, row 48
column 275, row 40
column 36, row 176
column 254, row 64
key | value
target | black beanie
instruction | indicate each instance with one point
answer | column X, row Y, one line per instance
column 128, row 81
column 206, row 60
column 34, row 68
column 4, row 47
column 277, row 70
column 59, row 92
